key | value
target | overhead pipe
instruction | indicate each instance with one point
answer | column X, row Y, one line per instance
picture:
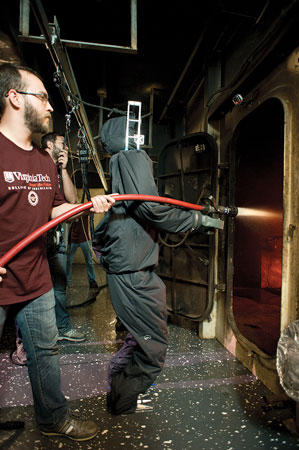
column 191, row 57
column 84, row 206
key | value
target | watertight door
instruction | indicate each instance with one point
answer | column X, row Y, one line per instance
column 187, row 170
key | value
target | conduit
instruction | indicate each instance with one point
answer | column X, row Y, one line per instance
column 77, row 209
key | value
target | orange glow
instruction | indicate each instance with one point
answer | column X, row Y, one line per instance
column 250, row 212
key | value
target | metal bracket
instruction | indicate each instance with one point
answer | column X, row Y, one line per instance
column 291, row 230
column 26, row 37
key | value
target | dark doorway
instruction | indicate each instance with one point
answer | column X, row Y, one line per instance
column 258, row 147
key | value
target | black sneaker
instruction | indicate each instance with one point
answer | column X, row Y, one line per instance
column 74, row 429
column 119, row 326
column 142, row 405
column 72, row 336
column 93, row 285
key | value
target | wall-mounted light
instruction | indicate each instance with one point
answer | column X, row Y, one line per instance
column 238, row 100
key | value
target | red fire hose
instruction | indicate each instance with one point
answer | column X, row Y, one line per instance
column 77, row 209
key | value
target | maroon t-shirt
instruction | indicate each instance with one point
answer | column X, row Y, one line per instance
column 28, row 192
column 79, row 231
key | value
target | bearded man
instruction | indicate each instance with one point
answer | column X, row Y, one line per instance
column 29, row 196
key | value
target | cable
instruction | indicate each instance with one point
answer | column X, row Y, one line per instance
column 178, row 244
column 79, row 100
column 77, row 209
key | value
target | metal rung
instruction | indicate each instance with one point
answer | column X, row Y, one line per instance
column 131, row 102
column 137, row 136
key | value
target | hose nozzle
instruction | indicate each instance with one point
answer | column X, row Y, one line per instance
column 231, row 211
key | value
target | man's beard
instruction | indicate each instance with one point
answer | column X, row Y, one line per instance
column 33, row 121
column 55, row 152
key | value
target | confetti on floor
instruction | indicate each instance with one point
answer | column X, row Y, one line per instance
column 203, row 399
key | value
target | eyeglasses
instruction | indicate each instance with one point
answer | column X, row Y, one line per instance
column 42, row 96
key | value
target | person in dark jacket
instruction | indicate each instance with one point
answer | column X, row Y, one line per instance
column 126, row 244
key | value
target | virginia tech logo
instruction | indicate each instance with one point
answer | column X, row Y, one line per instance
column 27, row 177
column 8, row 177
column 33, row 198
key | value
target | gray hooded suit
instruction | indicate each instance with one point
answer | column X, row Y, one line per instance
column 127, row 246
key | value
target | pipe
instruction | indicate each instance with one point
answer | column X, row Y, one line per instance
column 194, row 51
column 77, row 209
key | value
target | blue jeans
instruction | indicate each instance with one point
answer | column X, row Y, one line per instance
column 37, row 323
column 57, row 264
column 85, row 247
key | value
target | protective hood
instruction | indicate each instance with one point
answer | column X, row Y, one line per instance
column 113, row 135
column 132, row 172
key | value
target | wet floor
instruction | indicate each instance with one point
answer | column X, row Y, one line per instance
column 204, row 398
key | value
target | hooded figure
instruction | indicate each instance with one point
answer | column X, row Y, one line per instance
column 126, row 244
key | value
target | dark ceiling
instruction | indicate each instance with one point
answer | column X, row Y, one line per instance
column 168, row 31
